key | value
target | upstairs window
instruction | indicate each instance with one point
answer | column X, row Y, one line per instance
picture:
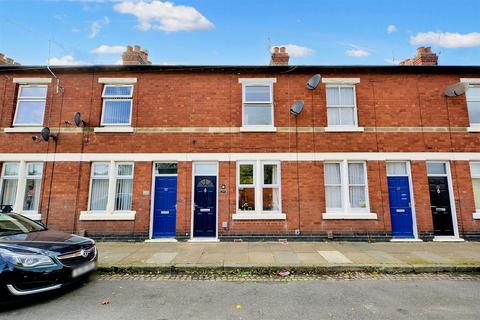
column 257, row 104
column 473, row 105
column 30, row 105
column 341, row 106
column 117, row 105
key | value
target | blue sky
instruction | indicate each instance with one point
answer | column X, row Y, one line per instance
column 342, row 32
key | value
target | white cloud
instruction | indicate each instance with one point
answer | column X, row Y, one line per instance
column 164, row 16
column 357, row 53
column 446, row 39
column 106, row 49
column 296, row 51
column 392, row 28
column 392, row 61
column 97, row 25
column 66, row 60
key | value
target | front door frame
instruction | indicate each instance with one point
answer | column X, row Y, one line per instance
column 152, row 192
column 453, row 210
column 192, row 211
column 412, row 198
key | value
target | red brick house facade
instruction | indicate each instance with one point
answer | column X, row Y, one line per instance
column 225, row 134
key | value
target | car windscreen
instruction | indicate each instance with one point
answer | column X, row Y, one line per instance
column 14, row 224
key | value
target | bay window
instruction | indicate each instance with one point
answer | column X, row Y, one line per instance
column 258, row 190
column 346, row 190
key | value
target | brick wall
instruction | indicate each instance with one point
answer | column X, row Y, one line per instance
column 401, row 112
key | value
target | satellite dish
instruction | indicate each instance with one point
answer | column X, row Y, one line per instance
column 313, row 82
column 297, row 107
column 46, row 135
column 456, row 90
column 77, row 119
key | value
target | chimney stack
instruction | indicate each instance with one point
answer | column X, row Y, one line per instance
column 279, row 57
column 425, row 57
column 135, row 55
column 7, row 61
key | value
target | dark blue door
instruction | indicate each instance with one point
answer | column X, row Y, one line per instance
column 400, row 208
column 205, row 206
column 165, row 207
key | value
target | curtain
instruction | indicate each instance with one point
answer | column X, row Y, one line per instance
column 333, row 189
column 476, row 192
column 123, row 194
column 9, row 191
column 117, row 111
column 99, row 194
column 270, row 174
column 356, row 179
column 333, row 96
column 271, row 198
column 32, row 195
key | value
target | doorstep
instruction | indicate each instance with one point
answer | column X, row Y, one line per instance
column 161, row 240
column 406, row 240
column 447, row 239
column 203, row 240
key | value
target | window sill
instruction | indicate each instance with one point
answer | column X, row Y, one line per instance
column 33, row 216
column 25, row 129
column 344, row 129
column 114, row 129
column 104, row 216
column 259, row 216
column 349, row 216
column 476, row 215
column 258, row 129
column 474, row 128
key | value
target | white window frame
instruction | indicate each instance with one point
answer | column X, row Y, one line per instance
column 474, row 126
column 106, row 98
column 110, row 213
column 353, row 127
column 21, row 184
column 346, row 211
column 252, row 82
column 476, row 214
column 37, row 99
column 258, row 213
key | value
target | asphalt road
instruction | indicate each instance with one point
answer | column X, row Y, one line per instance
column 317, row 299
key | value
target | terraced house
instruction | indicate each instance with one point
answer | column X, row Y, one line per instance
column 206, row 153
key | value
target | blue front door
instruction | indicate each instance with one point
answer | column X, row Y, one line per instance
column 400, row 207
column 205, row 206
column 165, row 207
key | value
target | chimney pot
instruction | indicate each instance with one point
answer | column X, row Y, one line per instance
column 279, row 57
column 425, row 57
column 135, row 56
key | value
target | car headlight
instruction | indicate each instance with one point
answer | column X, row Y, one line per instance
column 27, row 260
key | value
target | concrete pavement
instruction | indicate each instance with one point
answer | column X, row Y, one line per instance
column 421, row 257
